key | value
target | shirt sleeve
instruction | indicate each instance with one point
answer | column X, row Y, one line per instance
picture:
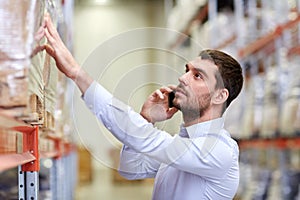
column 199, row 156
column 134, row 165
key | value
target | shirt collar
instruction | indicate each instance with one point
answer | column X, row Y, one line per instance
column 196, row 130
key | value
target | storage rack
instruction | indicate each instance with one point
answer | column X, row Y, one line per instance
column 34, row 149
column 22, row 146
column 275, row 155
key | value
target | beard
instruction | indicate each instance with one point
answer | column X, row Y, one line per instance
column 194, row 107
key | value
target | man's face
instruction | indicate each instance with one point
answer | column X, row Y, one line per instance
column 196, row 86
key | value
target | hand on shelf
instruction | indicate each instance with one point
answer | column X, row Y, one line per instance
column 65, row 62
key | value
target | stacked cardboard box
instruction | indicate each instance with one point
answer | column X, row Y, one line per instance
column 28, row 83
column 22, row 19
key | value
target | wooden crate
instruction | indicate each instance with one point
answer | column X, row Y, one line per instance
column 49, row 121
column 35, row 94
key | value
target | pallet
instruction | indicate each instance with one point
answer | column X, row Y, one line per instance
column 35, row 111
column 49, row 121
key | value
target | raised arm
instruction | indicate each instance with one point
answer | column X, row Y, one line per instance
column 64, row 60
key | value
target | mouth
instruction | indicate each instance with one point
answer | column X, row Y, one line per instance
column 180, row 91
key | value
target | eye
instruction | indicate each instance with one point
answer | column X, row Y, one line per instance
column 198, row 76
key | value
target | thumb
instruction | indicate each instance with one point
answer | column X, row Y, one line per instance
column 49, row 50
column 36, row 50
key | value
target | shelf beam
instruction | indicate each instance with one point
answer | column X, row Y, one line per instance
column 267, row 39
column 13, row 160
column 197, row 19
column 279, row 143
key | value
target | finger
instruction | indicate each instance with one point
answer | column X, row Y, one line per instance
column 165, row 90
column 52, row 30
column 44, row 21
column 159, row 94
column 49, row 37
column 172, row 87
column 36, row 50
column 39, row 34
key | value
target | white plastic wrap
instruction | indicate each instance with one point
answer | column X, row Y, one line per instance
column 50, row 73
column 13, row 87
column 51, row 87
column 17, row 33
column 20, row 20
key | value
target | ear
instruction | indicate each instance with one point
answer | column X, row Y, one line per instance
column 220, row 96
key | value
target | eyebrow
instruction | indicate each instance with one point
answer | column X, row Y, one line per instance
column 197, row 69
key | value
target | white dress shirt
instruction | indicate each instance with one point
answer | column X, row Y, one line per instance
column 201, row 162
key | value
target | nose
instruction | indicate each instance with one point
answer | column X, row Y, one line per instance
column 184, row 79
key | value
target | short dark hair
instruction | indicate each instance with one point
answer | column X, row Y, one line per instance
column 230, row 74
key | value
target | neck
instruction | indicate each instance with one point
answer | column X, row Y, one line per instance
column 190, row 119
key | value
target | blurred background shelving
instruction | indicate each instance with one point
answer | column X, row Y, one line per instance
column 264, row 37
column 43, row 122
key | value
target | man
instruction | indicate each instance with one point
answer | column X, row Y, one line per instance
column 201, row 162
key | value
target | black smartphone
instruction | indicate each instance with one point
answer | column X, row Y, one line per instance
column 171, row 97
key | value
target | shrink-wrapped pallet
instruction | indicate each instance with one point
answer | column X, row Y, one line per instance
column 36, row 88
column 50, row 72
column 22, row 19
column 13, row 84
column 55, row 83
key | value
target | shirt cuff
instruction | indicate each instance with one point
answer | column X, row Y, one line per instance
column 96, row 96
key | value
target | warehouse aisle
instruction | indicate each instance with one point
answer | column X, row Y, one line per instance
column 103, row 188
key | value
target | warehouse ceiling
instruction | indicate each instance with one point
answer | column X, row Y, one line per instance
column 110, row 2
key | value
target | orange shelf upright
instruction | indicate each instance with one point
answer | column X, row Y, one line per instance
column 279, row 143
column 30, row 145
column 10, row 151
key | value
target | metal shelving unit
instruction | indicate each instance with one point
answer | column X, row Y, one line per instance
column 41, row 155
column 22, row 146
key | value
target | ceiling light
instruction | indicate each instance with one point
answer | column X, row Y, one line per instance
column 100, row 1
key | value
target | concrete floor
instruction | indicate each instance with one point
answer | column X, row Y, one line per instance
column 103, row 187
